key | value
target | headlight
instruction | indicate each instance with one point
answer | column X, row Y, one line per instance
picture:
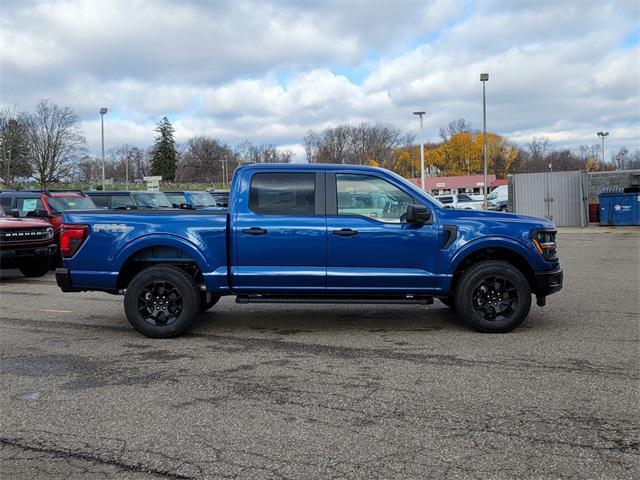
column 545, row 243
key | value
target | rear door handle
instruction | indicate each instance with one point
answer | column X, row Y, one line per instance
column 254, row 231
column 345, row 232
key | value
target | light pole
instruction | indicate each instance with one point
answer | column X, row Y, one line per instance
column 420, row 114
column 484, row 77
column 603, row 135
column 103, row 111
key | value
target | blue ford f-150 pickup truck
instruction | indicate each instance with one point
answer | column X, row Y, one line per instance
column 312, row 233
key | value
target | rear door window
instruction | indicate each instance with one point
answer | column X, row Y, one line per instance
column 121, row 201
column 5, row 202
column 101, row 201
column 283, row 193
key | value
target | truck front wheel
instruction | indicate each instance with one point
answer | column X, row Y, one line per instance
column 493, row 296
column 162, row 302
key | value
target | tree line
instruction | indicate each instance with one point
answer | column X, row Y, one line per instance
column 458, row 151
column 49, row 146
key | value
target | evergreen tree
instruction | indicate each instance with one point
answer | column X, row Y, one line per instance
column 164, row 158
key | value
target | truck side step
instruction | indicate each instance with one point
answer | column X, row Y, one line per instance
column 345, row 298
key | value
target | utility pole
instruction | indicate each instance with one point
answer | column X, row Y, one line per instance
column 103, row 111
column 422, row 180
column 484, row 77
column 603, row 135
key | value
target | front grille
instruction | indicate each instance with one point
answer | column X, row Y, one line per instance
column 25, row 234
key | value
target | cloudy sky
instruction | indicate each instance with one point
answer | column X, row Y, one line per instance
column 270, row 71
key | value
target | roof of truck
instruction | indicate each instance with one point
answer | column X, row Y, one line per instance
column 310, row 166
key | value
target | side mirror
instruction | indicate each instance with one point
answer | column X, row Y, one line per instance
column 41, row 212
column 15, row 213
column 186, row 206
column 418, row 214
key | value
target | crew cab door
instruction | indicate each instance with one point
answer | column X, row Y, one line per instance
column 279, row 230
column 370, row 247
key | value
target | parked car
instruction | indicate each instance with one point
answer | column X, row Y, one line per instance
column 460, row 201
column 292, row 235
column 26, row 243
column 46, row 204
column 499, row 199
column 191, row 199
column 128, row 200
column 221, row 197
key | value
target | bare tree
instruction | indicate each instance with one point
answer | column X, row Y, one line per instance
column 55, row 142
column 363, row 144
column 455, row 126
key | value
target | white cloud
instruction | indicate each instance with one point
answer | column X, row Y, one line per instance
column 269, row 72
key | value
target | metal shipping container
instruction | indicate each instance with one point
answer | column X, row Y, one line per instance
column 559, row 196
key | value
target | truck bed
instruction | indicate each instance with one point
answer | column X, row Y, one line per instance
column 116, row 237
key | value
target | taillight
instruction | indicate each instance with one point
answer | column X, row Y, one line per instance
column 71, row 237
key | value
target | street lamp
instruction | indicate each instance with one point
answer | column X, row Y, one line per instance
column 484, row 78
column 420, row 114
column 603, row 135
column 103, row 111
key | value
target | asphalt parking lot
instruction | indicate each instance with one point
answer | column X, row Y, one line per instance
column 313, row 391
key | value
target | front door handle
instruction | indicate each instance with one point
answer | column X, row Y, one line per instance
column 254, row 231
column 345, row 232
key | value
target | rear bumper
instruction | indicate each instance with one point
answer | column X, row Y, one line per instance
column 548, row 282
column 63, row 279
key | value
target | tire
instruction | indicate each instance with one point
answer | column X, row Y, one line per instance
column 448, row 301
column 162, row 302
column 206, row 305
column 493, row 287
column 503, row 209
column 36, row 267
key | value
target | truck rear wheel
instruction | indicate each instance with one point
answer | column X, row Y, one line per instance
column 162, row 302
column 493, row 296
column 35, row 268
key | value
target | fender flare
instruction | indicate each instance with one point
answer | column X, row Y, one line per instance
column 489, row 242
column 163, row 240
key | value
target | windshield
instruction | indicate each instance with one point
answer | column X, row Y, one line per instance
column 62, row 204
column 500, row 192
column 151, row 200
column 2, row 213
column 202, row 199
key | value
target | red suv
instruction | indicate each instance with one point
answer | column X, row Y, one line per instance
column 26, row 243
column 46, row 204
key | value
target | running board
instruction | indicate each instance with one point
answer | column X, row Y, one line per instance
column 377, row 299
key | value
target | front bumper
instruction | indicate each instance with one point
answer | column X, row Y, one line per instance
column 548, row 282
column 31, row 251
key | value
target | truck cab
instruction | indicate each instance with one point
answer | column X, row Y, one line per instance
column 314, row 233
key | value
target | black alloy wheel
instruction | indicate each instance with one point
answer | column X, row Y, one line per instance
column 495, row 298
column 160, row 303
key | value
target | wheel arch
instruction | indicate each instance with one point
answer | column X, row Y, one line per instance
column 511, row 252
column 159, row 251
